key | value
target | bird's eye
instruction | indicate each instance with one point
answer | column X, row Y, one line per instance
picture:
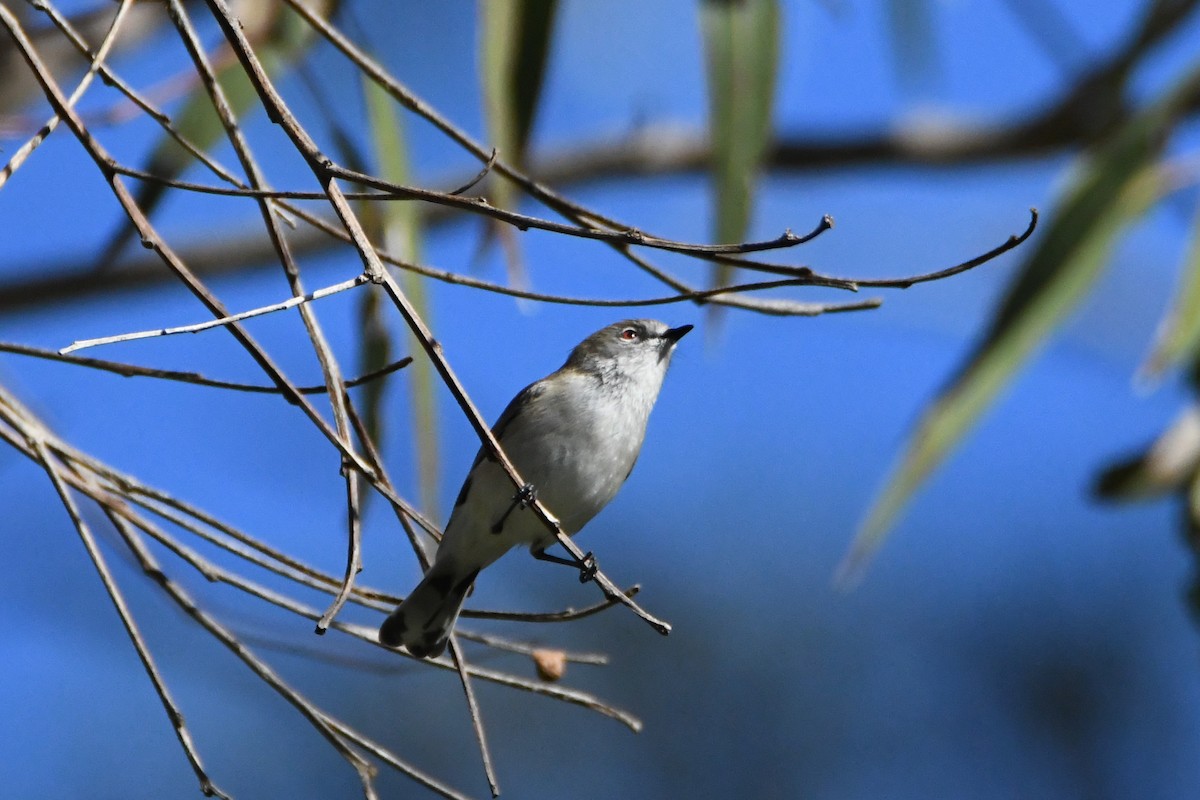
column 629, row 335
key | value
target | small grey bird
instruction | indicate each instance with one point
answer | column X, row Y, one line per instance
column 574, row 436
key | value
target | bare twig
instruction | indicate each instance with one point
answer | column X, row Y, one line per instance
column 216, row 323
column 483, row 173
column 152, row 240
column 142, row 514
column 24, row 151
column 566, row 615
column 460, row 664
column 323, row 170
column 500, row 643
column 353, row 553
column 135, row 371
column 123, row 517
column 905, row 282
column 315, row 716
column 131, row 628
column 338, row 399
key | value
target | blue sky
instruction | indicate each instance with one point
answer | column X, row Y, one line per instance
column 1011, row 639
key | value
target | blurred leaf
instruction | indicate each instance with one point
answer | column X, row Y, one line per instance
column 280, row 37
column 402, row 237
column 375, row 351
column 911, row 27
column 1192, row 532
column 741, row 39
column 1115, row 184
column 1166, row 466
column 514, row 48
column 1179, row 334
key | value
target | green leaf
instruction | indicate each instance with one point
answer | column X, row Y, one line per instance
column 402, row 237
column 1114, row 185
column 375, row 351
column 1179, row 335
column 741, row 41
column 514, row 47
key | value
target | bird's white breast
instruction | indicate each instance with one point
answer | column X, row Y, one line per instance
column 576, row 444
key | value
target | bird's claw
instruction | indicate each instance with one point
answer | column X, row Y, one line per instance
column 587, row 568
column 526, row 496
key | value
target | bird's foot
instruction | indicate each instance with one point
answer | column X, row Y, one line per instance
column 587, row 568
column 526, row 496
column 586, row 565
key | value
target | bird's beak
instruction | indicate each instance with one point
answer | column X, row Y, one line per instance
column 673, row 335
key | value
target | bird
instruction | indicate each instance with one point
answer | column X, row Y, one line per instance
column 574, row 436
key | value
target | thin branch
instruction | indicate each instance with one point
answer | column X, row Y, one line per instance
column 623, row 236
column 353, row 552
column 24, row 151
column 338, row 399
column 566, row 615
column 323, row 169
column 151, row 239
column 387, row 190
column 124, row 519
column 540, row 191
column 483, row 173
column 216, row 323
column 460, row 664
column 586, row 218
column 127, row 620
column 187, row 516
column 135, row 371
column 259, row 667
column 525, row 649
column 213, row 572
column 83, row 282
column 369, row 635
column 904, row 283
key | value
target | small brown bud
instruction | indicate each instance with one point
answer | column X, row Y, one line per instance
column 551, row 664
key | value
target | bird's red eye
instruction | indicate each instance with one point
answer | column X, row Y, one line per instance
column 629, row 335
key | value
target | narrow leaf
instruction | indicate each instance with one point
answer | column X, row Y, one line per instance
column 402, row 238
column 1179, row 335
column 514, row 46
column 1115, row 184
column 741, row 41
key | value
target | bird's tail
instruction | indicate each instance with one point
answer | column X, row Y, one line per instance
column 423, row 622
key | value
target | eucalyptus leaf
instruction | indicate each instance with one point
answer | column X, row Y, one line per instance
column 514, row 48
column 1179, row 335
column 402, row 237
column 742, row 58
column 1115, row 183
